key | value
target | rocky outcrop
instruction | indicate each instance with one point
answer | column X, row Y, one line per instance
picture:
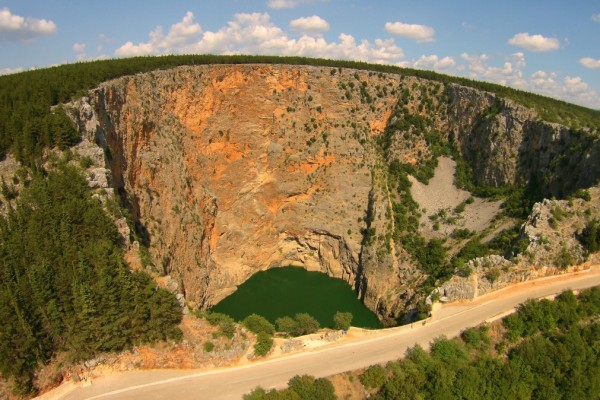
column 550, row 247
column 232, row 169
column 507, row 144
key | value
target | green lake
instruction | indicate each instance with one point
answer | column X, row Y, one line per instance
column 290, row 290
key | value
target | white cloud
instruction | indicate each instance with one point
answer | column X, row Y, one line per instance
column 78, row 47
column 180, row 36
column 589, row 62
column 8, row 71
column 574, row 84
column 257, row 34
column 596, row 17
column 131, row 50
column 518, row 59
column 421, row 33
column 314, row 24
column 21, row 29
column 433, row 62
column 280, row 4
column 534, row 42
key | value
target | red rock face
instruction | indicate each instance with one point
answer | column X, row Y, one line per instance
column 234, row 169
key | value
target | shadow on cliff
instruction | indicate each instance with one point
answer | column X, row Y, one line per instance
column 140, row 233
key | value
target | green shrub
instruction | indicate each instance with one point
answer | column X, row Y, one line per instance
column 85, row 162
column 263, row 344
column 460, row 208
column 450, row 352
column 590, row 236
column 223, row 321
column 257, row 324
column 208, row 346
column 476, row 337
column 306, row 387
column 492, row 275
column 373, row 377
column 583, row 194
column 464, row 270
column 305, row 324
column 565, row 259
column 286, row 324
column 342, row 320
column 462, row 233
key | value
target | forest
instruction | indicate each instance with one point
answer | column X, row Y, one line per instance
column 64, row 287
column 546, row 350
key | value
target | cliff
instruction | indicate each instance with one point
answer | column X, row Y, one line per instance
column 233, row 169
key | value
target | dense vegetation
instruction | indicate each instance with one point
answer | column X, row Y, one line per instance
column 63, row 285
column 549, row 350
column 303, row 387
column 555, row 356
column 27, row 123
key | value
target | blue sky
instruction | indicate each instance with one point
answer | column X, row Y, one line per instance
column 550, row 47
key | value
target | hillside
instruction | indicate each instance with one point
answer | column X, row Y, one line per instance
column 214, row 172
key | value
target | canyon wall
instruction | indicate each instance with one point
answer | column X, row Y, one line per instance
column 232, row 169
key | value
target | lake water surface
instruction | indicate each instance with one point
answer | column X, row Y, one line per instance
column 289, row 290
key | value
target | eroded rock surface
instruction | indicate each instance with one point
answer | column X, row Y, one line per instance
column 232, row 169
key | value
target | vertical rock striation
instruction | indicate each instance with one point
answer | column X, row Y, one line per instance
column 232, row 169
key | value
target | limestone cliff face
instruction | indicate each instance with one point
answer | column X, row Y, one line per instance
column 234, row 169
column 507, row 143
column 229, row 170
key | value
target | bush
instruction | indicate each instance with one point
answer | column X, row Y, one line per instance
column 450, row 352
column 223, row 321
column 215, row 318
column 464, row 271
column 460, row 208
column 462, row 233
column 590, row 236
column 208, row 346
column 373, row 377
column 263, row 344
column 286, row 324
column 342, row 320
column 85, row 162
column 227, row 329
column 492, row 275
column 257, row 324
column 259, row 394
column 307, row 387
column 581, row 194
column 476, row 337
column 305, row 324
column 301, row 324
column 565, row 258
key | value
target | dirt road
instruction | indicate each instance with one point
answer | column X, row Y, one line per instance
column 381, row 346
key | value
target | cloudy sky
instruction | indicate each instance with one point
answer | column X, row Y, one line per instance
column 545, row 46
